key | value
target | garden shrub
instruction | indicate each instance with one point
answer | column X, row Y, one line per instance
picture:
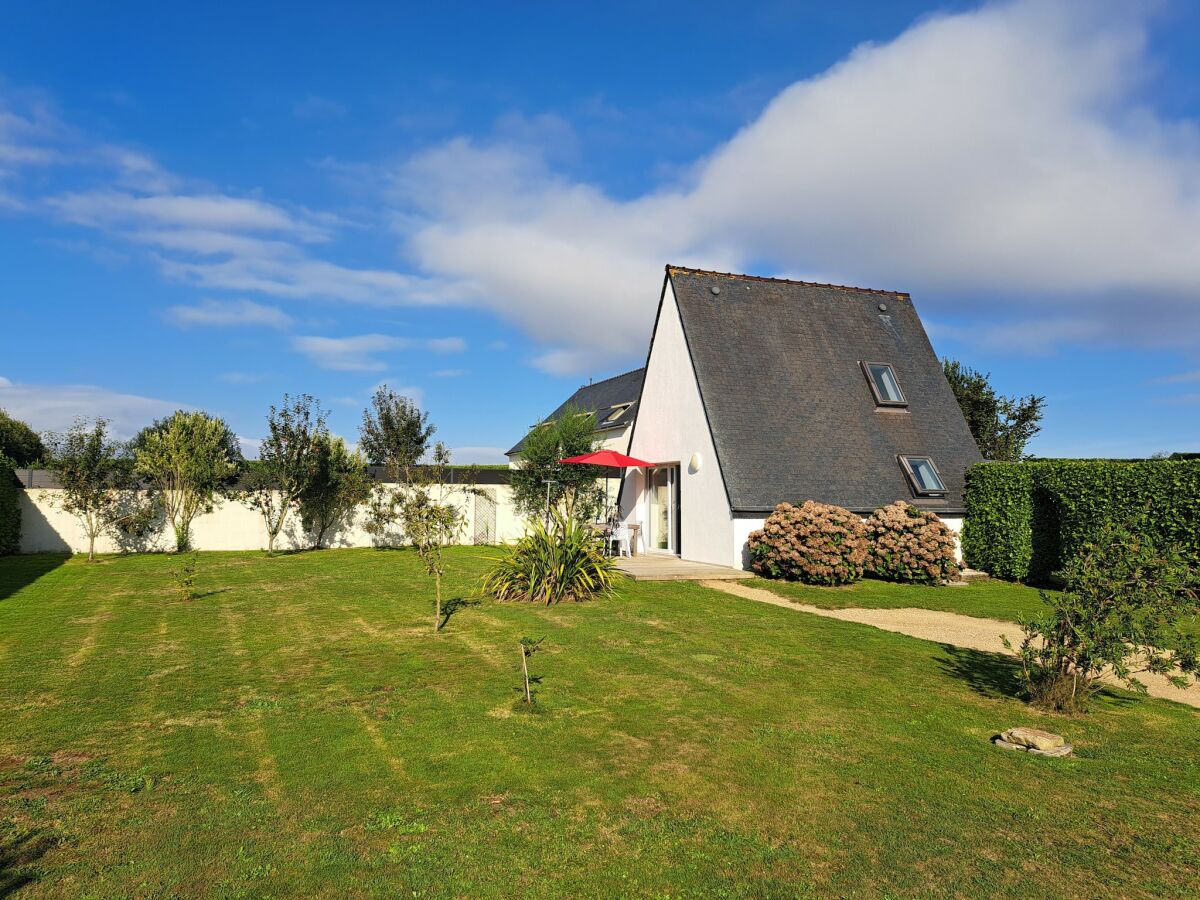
column 10, row 509
column 562, row 561
column 910, row 545
column 1025, row 521
column 1119, row 613
column 816, row 543
column 997, row 534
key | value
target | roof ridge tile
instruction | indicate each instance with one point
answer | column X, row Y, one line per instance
column 817, row 284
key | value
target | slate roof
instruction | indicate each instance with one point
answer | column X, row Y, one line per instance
column 790, row 409
column 600, row 396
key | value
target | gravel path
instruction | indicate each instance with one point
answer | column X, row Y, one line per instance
column 942, row 627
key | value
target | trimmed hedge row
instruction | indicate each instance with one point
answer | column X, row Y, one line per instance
column 10, row 510
column 1026, row 520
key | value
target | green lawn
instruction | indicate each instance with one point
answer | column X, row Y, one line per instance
column 299, row 731
column 986, row 598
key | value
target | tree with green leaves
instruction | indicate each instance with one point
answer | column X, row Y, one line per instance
column 1119, row 614
column 430, row 521
column 340, row 484
column 395, row 434
column 1001, row 426
column 93, row 474
column 19, row 443
column 287, row 462
column 541, row 485
column 188, row 458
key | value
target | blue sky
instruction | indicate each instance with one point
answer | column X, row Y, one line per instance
column 208, row 207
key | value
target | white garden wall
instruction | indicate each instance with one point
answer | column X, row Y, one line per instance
column 46, row 527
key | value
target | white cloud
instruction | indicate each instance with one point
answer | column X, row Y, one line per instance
column 241, row 377
column 447, row 345
column 480, row 456
column 360, row 353
column 250, row 446
column 1000, row 153
column 1178, row 378
column 350, row 354
column 211, row 211
column 229, row 312
column 314, row 107
column 449, row 373
column 53, row 407
column 297, row 276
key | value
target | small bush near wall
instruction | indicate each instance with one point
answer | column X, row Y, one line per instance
column 910, row 545
column 10, row 510
column 1026, row 520
column 815, row 543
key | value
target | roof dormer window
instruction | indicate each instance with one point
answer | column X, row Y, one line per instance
column 885, row 387
column 615, row 413
column 923, row 475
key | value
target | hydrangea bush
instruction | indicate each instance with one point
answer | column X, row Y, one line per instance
column 910, row 545
column 816, row 543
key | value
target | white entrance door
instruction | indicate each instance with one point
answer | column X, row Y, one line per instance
column 662, row 509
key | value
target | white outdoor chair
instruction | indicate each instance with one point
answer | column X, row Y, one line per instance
column 618, row 539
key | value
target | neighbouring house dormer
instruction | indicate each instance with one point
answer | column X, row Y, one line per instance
column 612, row 401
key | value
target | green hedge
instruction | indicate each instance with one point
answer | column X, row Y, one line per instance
column 1025, row 520
column 10, row 509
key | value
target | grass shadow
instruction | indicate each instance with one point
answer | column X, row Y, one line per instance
column 18, row 854
column 988, row 674
column 17, row 572
column 200, row 595
column 455, row 605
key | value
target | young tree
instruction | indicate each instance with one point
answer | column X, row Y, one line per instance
column 430, row 522
column 1119, row 614
column 1002, row 426
column 19, row 443
column 94, row 473
column 340, row 483
column 540, row 484
column 395, row 433
column 188, row 458
column 287, row 462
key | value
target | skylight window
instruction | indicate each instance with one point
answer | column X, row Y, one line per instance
column 884, row 385
column 616, row 413
column 923, row 474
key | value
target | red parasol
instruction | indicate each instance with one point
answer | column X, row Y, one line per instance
column 609, row 459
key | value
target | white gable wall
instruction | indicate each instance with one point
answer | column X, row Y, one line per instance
column 671, row 428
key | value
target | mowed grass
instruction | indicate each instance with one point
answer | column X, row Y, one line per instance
column 298, row 730
column 987, row 598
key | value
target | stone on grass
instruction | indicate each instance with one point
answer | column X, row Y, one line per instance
column 1064, row 750
column 1034, row 738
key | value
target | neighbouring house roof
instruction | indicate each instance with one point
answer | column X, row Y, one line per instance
column 600, row 397
column 789, row 406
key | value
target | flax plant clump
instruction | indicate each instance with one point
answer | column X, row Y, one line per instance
column 910, row 545
column 816, row 543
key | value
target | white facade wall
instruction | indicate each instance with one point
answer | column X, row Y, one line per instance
column 46, row 527
column 672, row 428
column 741, row 532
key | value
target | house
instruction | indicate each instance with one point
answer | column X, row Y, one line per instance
column 760, row 390
column 612, row 401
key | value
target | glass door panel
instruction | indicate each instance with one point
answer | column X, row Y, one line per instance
column 661, row 495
